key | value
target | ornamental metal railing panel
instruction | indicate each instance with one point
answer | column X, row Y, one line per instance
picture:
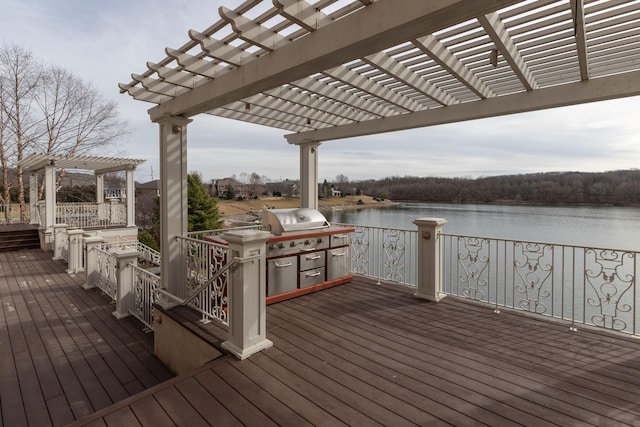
column 582, row 285
column 204, row 283
column 106, row 272
column 146, row 252
column 145, row 291
column 384, row 254
column 91, row 215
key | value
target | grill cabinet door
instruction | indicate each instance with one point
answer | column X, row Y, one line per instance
column 282, row 275
column 338, row 263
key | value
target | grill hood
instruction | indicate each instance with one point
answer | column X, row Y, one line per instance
column 279, row 221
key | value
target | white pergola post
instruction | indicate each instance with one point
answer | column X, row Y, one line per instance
column 309, row 174
column 131, row 198
column 50, row 202
column 247, row 290
column 99, row 188
column 173, row 199
column 33, row 198
column 429, row 267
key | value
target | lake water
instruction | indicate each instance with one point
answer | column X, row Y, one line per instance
column 599, row 226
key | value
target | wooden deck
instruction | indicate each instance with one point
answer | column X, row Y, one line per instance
column 356, row 354
column 62, row 354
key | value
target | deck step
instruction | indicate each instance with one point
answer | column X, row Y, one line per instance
column 17, row 239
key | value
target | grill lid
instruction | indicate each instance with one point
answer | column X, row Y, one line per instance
column 280, row 221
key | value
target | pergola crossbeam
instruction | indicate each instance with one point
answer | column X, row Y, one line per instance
column 593, row 90
column 496, row 30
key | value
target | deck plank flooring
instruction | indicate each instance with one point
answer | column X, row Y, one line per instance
column 62, row 354
column 357, row 354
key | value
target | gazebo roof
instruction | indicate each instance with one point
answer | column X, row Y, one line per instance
column 34, row 162
column 329, row 69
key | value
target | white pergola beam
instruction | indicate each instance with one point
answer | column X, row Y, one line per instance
column 433, row 48
column 593, row 90
column 302, row 13
column 374, row 28
column 364, row 84
column 496, row 30
column 402, row 73
column 577, row 9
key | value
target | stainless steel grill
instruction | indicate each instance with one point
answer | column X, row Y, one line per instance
column 305, row 254
column 280, row 221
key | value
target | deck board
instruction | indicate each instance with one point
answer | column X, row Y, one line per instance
column 62, row 354
column 356, row 354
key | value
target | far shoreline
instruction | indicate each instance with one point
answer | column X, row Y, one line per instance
column 239, row 212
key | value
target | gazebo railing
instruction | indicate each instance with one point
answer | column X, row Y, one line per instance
column 89, row 215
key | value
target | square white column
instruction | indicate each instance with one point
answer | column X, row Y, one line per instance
column 173, row 201
column 309, row 174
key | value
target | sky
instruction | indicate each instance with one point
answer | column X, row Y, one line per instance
column 105, row 41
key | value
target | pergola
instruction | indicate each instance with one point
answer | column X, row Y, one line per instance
column 48, row 163
column 333, row 69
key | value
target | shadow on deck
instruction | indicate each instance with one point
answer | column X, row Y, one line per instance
column 357, row 354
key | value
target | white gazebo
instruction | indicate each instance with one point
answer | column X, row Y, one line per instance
column 333, row 69
column 112, row 211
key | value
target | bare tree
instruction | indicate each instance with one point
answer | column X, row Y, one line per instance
column 21, row 77
column 76, row 119
column 51, row 111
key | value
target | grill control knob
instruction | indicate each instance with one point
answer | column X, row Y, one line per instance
column 281, row 245
column 272, row 246
column 292, row 244
column 306, row 242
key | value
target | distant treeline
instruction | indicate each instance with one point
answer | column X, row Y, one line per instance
column 608, row 188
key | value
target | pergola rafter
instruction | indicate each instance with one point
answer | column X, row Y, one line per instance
column 304, row 66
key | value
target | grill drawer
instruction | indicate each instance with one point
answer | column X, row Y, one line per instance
column 311, row 277
column 341, row 239
column 310, row 260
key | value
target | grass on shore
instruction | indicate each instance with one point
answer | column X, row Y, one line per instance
column 231, row 208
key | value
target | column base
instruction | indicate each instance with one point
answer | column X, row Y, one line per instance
column 119, row 315
column 243, row 353
column 437, row 298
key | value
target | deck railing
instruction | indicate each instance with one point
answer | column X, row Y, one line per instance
column 88, row 215
column 582, row 285
column 146, row 252
column 219, row 231
column 106, row 270
column 202, row 261
column 145, row 290
column 384, row 253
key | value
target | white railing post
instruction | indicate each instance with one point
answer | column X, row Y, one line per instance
column 429, row 266
column 75, row 251
column 247, row 293
column 91, row 260
column 125, row 281
column 59, row 235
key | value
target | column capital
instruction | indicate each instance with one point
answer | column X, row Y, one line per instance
column 173, row 120
column 307, row 143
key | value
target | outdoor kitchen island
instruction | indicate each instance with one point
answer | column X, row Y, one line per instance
column 306, row 254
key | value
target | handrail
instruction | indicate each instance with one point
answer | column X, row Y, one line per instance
column 210, row 281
